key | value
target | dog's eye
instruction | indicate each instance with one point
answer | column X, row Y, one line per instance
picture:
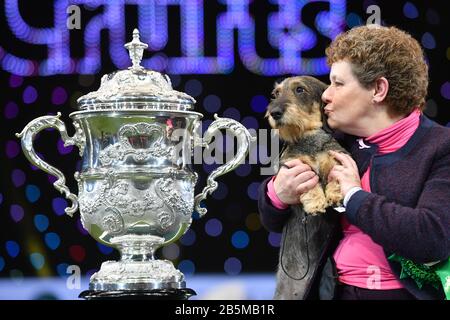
column 275, row 94
column 299, row 90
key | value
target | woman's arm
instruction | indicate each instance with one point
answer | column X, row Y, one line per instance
column 292, row 180
column 421, row 233
column 272, row 219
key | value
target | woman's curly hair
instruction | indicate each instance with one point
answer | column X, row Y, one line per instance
column 375, row 52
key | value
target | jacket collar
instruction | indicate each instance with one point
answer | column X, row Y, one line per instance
column 363, row 151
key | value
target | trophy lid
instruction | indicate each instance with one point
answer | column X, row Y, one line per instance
column 136, row 88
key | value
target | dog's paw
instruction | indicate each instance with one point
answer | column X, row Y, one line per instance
column 333, row 194
column 315, row 206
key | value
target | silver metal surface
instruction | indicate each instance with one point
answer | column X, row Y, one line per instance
column 136, row 184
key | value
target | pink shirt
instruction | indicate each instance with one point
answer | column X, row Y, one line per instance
column 360, row 261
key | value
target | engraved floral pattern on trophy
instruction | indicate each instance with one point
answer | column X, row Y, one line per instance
column 123, row 148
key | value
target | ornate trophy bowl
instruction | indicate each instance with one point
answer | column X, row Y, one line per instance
column 136, row 186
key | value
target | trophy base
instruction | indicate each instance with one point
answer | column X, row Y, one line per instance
column 156, row 294
column 139, row 276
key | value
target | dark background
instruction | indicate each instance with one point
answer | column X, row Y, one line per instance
column 37, row 240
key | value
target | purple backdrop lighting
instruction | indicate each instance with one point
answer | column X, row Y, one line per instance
column 274, row 239
column 59, row 204
column 15, row 81
column 29, row 95
column 18, row 177
column 445, row 90
column 16, row 212
column 11, row 110
column 62, row 149
column 213, row 227
column 59, row 96
column 12, row 149
column 232, row 266
column 259, row 103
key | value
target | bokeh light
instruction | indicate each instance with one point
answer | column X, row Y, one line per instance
column 274, row 239
column 187, row 267
column 232, row 266
column 240, row 239
column 16, row 212
column 212, row 103
column 188, row 238
column 11, row 110
column 59, row 205
column 213, row 227
column 410, row 11
column 29, row 95
column 59, row 96
column 18, row 177
column 52, row 240
column 259, row 103
column 41, row 222
column 445, row 90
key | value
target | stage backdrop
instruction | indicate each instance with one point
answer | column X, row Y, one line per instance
column 227, row 54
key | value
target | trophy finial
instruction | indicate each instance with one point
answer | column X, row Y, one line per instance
column 136, row 50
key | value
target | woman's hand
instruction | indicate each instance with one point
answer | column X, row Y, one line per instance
column 345, row 173
column 293, row 179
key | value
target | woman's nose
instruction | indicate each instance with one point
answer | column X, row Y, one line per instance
column 326, row 96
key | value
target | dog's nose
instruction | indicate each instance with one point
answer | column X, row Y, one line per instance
column 276, row 114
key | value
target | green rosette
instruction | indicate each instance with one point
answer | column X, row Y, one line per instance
column 437, row 275
column 443, row 271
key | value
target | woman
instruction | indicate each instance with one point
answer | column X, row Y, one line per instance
column 397, row 190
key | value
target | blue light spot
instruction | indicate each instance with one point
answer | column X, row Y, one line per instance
column 62, row 269
column 12, row 248
column 221, row 192
column 2, row 263
column 187, row 267
column 428, row 41
column 188, row 238
column 232, row 266
column 29, row 95
column 274, row 239
column 1, row 198
column 32, row 193
column 240, row 239
column 252, row 190
column 243, row 170
column 193, row 87
column 212, row 103
column 18, row 177
column 213, row 227
column 259, row 103
column 410, row 11
column 52, row 240
column 104, row 249
column 250, row 122
column 37, row 260
column 59, row 204
column 232, row 113
column 353, row 20
column 16, row 212
column 41, row 222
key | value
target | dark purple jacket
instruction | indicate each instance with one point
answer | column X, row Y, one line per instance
column 408, row 210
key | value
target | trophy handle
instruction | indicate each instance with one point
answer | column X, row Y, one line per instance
column 244, row 138
column 27, row 136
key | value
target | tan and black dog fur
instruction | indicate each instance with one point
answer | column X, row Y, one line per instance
column 296, row 110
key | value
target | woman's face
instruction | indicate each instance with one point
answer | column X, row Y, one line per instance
column 348, row 103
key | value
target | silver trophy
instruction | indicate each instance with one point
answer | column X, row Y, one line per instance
column 136, row 135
